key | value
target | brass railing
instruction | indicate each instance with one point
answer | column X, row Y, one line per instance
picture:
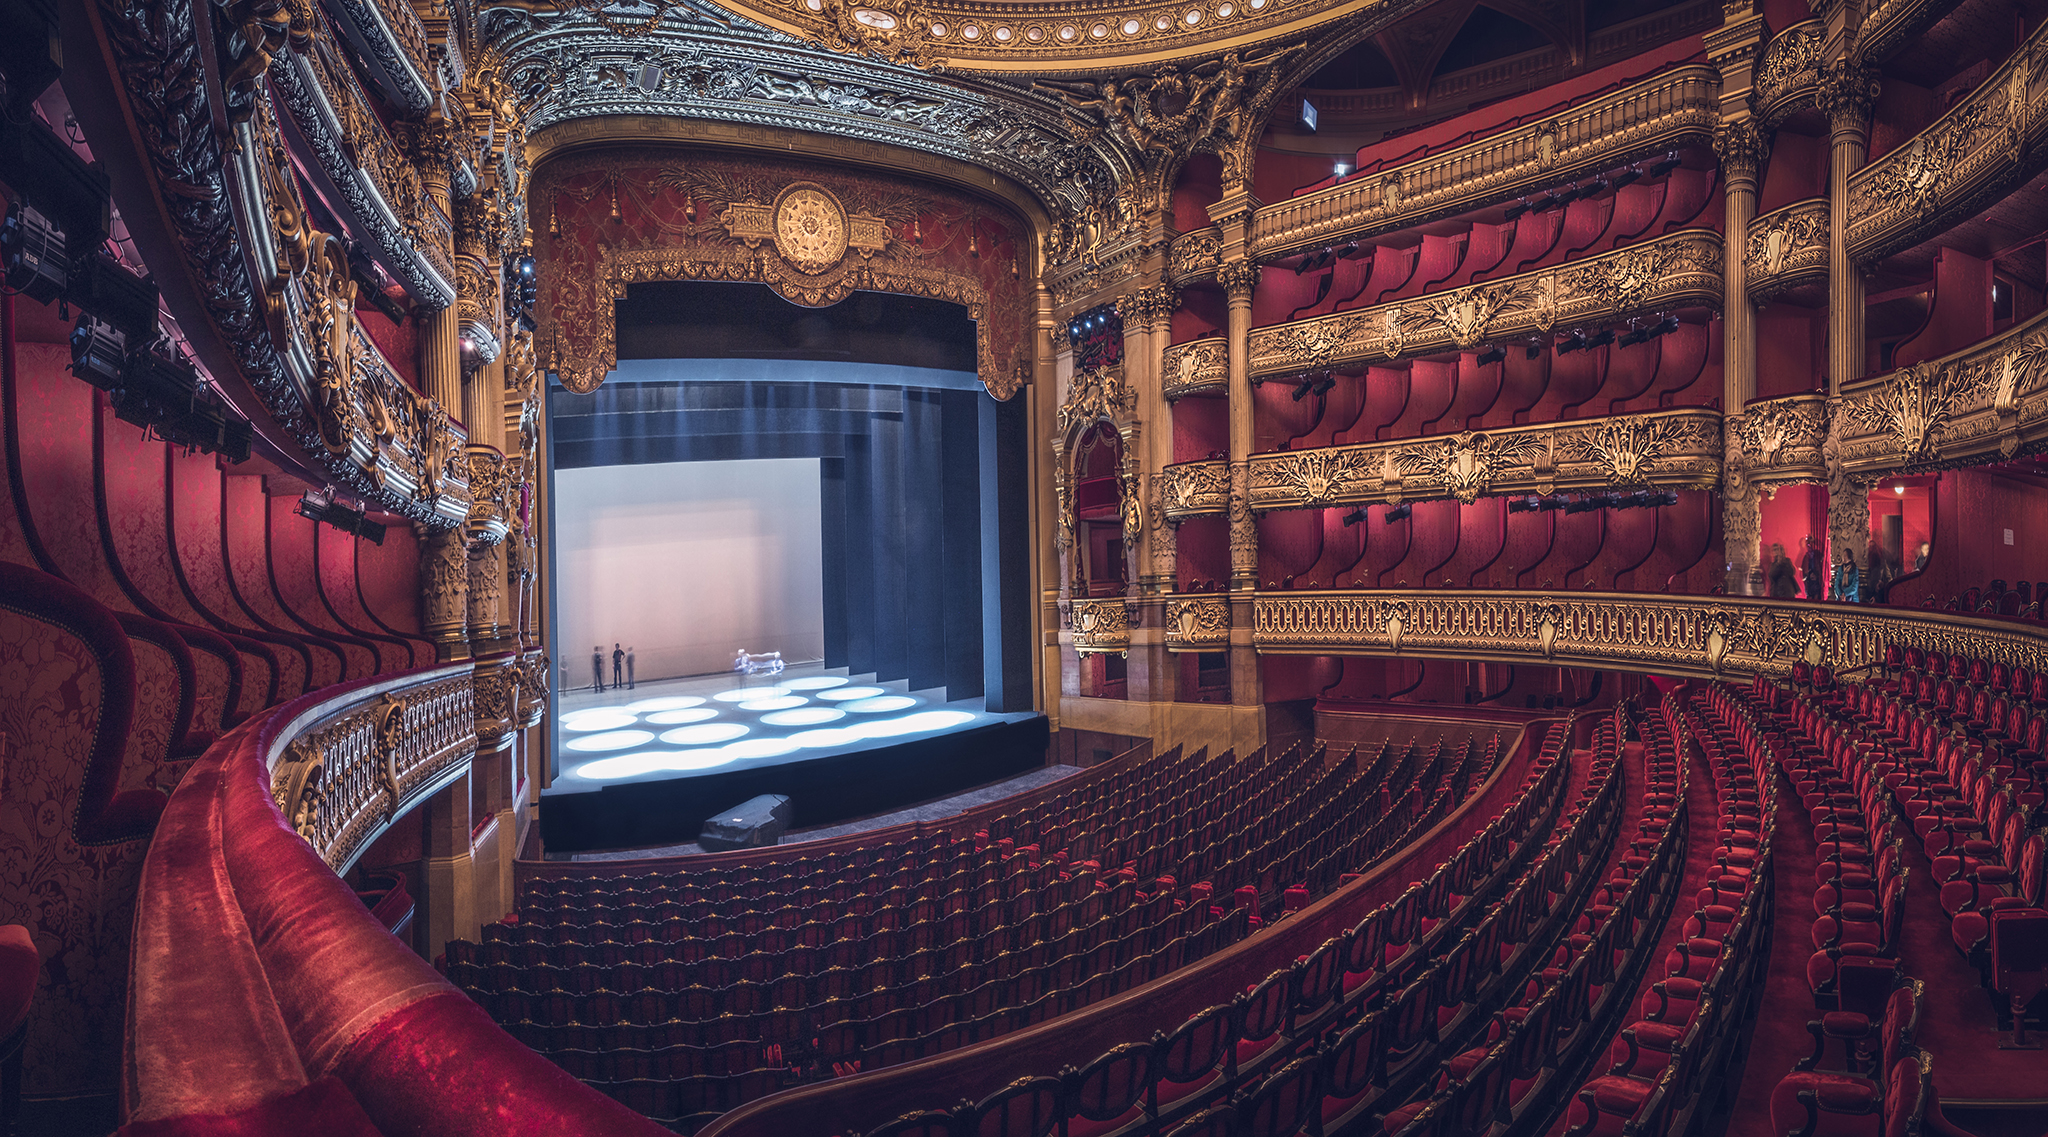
column 1981, row 404
column 1980, row 149
column 1676, row 635
column 1100, row 625
column 1654, row 115
column 1682, row 269
column 1678, row 448
column 1788, row 76
column 343, row 769
column 1787, row 247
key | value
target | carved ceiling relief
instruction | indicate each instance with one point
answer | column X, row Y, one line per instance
column 814, row 235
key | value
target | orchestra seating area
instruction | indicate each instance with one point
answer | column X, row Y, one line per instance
column 689, row 991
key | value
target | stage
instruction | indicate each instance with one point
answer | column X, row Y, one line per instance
column 645, row 766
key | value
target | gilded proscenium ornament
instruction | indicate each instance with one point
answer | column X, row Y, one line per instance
column 1197, row 623
column 1163, row 115
column 1682, row 269
column 1786, row 248
column 1960, row 163
column 1100, row 625
column 1096, row 393
column 1190, row 489
column 1676, row 449
column 348, row 767
column 1196, row 367
column 1678, row 107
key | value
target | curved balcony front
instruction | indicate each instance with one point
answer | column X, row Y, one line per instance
column 1981, row 404
column 1788, row 76
column 1787, row 249
column 1100, row 625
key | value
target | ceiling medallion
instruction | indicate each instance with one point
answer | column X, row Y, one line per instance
column 810, row 227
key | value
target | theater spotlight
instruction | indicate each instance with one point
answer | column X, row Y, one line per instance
column 1627, row 177
column 1571, row 343
column 320, row 506
column 1665, row 326
column 1516, row 210
column 1665, row 165
column 163, row 393
column 1601, row 338
column 1399, row 513
column 1350, row 251
column 32, row 251
column 1307, row 382
column 1323, row 385
column 1529, row 504
column 1634, row 336
column 1354, row 517
column 1534, row 350
column 1593, row 188
column 1668, row 497
column 1493, row 354
column 98, row 352
column 1586, row 504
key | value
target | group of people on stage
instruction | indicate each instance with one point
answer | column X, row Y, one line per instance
column 1781, row 578
column 622, row 667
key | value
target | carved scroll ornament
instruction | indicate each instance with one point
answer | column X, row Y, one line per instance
column 1188, row 489
column 1787, row 248
column 1194, row 367
column 1100, row 625
column 1197, row 623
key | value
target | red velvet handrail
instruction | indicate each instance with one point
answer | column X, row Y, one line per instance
column 262, row 989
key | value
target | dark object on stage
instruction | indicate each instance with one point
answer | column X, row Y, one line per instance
column 749, row 825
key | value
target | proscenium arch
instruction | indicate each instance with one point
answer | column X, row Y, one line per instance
column 706, row 212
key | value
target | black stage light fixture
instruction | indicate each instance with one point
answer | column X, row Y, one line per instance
column 1306, row 383
column 1594, row 188
column 31, row 54
column 1571, row 343
column 1354, row 517
column 32, row 254
column 163, row 393
column 1627, row 177
column 1601, row 338
column 320, row 506
column 1534, row 351
column 370, row 283
column 1529, row 504
column 1668, row 497
column 1399, row 513
column 1551, row 504
column 1516, row 210
column 99, row 352
column 101, row 286
column 1665, row 165
column 1634, row 336
column 1323, row 385
column 1354, row 249
column 1586, row 504
column 1665, row 326
column 1547, row 203
column 1493, row 354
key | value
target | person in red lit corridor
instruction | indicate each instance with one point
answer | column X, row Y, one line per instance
column 1812, row 569
column 1784, row 580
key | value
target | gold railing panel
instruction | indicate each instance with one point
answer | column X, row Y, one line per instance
column 1777, row 441
column 1981, row 404
column 1649, row 117
column 1787, row 247
column 1682, row 269
column 1197, row 623
column 1789, row 74
column 345, row 768
column 1195, row 367
column 1675, row 635
column 1189, row 489
column 1971, row 155
column 1678, row 448
column 1100, row 625
column 1195, row 255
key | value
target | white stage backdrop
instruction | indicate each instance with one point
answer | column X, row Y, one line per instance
column 687, row 561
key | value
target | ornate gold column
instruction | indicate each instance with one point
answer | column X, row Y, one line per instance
column 1847, row 93
column 1733, row 49
column 1239, row 278
column 444, row 571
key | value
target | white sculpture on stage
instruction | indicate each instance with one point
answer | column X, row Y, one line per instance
column 763, row 663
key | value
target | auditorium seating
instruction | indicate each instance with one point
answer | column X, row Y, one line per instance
column 688, row 993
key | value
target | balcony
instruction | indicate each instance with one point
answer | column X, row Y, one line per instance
column 1100, row 626
column 1787, row 249
column 1959, row 410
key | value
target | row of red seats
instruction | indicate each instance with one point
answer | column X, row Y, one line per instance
column 1363, row 1011
column 1685, row 1027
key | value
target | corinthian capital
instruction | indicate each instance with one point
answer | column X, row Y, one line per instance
column 1238, row 278
column 432, row 143
column 1741, row 146
column 1848, row 92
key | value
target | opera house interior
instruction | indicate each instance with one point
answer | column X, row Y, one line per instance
column 1200, row 568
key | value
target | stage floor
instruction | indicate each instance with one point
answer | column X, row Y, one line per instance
column 720, row 724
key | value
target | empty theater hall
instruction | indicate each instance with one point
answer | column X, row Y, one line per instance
column 1024, row 568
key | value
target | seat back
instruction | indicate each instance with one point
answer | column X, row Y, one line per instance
column 1197, row 1045
column 1027, row 1107
column 1108, row 1087
column 1282, row 1103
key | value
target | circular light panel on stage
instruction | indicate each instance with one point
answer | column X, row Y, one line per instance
column 913, row 724
column 780, row 703
column 852, row 693
column 704, row 734
column 881, row 703
column 819, row 739
column 688, row 714
column 761, row 748
column 615, row 740
column 624, row 766
column 668, row 703
column 745, row 694
column 601, row 719
column 803, row 716
column 815, row 682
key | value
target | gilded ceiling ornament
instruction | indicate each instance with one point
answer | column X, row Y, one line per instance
column 810, row 227
column 890, row 30
column 1467, row 464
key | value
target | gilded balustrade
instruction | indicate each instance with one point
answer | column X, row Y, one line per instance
column 344, row 768
column 346, row 145
column 1776, row 442
column 392, row 41
column 1788, row 76
column 1197, row 623
column 1890, row 24
column 1679, row 270
column 1189, row 489
column 1659, row 634
column 1677, row 448
column 1674, row 108
column 1195, row 256
column 1981, row 404
column 1196, row 367
column 535, row 673
column 1787, row 248
column 1968, row 158
column 1100, row 625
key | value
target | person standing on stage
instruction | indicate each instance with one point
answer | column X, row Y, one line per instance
column 618, row 667
column 597, row 668
column 629, row 669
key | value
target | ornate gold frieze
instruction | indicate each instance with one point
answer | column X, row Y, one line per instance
column 1787, row 247
column 1775, row 442
column 1679, row 448
column 344, row 770
column 496, row 701
column 1194, row 256
column 1195, row 367
column 1788, row 77
column 1969, row 156
column 1197, row 623
column 1665, row 634
column 489, row 481
column 1100, row 625
column 1653, row 116
column 1978, row 405
column 1188, row 489
column 1095, row 393
column 1679, row 270
column 534, row 674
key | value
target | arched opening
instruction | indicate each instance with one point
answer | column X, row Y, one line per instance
column 1098, row 512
